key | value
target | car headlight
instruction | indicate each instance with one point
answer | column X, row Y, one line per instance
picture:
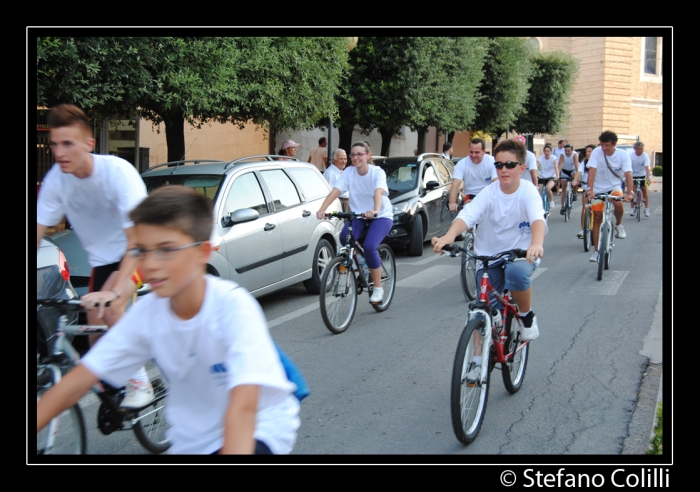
column 400, row 208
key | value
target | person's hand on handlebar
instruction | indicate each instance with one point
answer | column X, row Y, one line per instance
column 321, row 214
column 533, row 252
column 440, row 242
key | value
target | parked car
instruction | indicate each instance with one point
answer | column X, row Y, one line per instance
column 52, row 282
column 266, row 235
column 418, row 189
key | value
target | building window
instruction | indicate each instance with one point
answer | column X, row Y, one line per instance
column 652, row 59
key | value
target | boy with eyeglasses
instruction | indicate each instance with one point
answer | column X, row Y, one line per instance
column 510, row 215
column 228, row 389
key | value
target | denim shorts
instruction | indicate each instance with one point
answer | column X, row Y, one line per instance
column 511, row 275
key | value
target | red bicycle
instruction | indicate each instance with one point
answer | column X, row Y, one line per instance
column 485, row 333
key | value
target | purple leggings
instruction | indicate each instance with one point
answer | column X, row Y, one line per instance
column 378, row 229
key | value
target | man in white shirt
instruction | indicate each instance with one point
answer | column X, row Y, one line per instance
column 606, row 169
column 475, row 171
column 530, row 173
column 641, row 169
column 338, row 163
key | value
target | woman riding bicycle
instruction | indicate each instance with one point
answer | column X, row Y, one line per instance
column 368, row 190
column 583, row 169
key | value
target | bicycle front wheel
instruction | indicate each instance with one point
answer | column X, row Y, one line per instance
column 467, row 397
column 69, row 435
column 467, row 275
column 150, row 426
column 388, row 276
column 602, row 249
column 639, row 201
column 338, row 296
column 516, row 352
column 587, row 236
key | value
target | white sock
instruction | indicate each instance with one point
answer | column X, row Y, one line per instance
column 477, row 359
column 646, row 210
column 141, row 375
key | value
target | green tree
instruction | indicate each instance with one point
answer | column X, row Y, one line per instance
column 505, row 84
column 551, row 83
column 287, row 83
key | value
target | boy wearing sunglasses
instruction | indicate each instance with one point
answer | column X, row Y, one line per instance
column 510, row 215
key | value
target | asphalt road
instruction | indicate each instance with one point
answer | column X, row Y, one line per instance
column 382, row 387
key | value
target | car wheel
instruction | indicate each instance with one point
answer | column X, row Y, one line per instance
column 322, row 257
column 415, row 246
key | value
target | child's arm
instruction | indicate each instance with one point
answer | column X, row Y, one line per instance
column 239, row 422
column 64, row 395
column 458, row 226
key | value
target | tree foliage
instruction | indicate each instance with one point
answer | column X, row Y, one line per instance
column 410, row 81
column 505, row 84
column 551, row 83
column 289, row 83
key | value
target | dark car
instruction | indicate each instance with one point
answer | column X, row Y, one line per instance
column 418, row 189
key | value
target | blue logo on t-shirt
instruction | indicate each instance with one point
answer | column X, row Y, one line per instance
column 525, row 228
column 218, row 374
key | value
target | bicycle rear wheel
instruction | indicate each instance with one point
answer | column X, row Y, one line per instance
column 639, row 204
column 468, row 399
column 516, row 353
column 150, row 426
column 69, row 437
column 388, row 276
column 467, row 275
column 338, row 296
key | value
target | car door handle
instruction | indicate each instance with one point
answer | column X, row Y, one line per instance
column 269, row 227
column 306, row 213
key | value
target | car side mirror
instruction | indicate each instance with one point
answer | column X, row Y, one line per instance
column 239, row 216
column 431, row 185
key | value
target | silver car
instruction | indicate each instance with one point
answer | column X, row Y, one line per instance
column 266, row 235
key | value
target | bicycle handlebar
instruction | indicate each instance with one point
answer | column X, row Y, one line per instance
column 454, row 248
column 345, row 215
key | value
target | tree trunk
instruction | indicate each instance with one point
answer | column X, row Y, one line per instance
column 451, row 137
column 272, row 140
column 386, row 134
column 174, row 136
column 345, row 138
column 422, row 132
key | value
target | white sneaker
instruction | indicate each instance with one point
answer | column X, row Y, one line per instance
column 580, row 234
column 646, row 213
column 474, row 374
column 138, row 394
column 532, row 332
column 632, row 212
column 620, row 232
column 377, row 296
column 594, row 258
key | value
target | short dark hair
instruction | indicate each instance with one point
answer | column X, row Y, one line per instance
column 560, row 141
column 478, row 141
column 322, row 140
column 638, row 144
column 176, row 207
column 446, row 146
column 69, row 115
column 568, row 145
column 608, row 137
column 517, row 148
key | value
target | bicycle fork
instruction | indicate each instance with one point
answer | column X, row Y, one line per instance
column 485, row 337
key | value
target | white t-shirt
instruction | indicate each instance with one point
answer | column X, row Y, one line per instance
column 505, row 220
column 531, row 162
column 475, row 176
column 362, row 190
column 97, row 206
column 639, row 164
column 605, row 180
column 547, row 169
column 568, row 164
column 332, row 174
column 557, row 152
column 584, row 174
column 225, row 344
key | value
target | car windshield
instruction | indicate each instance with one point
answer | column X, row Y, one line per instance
column 400, row 177
column 207, row 184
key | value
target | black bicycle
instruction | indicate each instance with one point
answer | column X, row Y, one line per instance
column 56, row 356
column 347, row 276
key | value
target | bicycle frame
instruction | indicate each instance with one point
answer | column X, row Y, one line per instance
column 351, row 252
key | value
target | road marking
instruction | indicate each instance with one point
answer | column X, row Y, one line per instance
column 608, row 286
column 432, row 257
column 293, row 314
column 537, row 273
column 430, row 277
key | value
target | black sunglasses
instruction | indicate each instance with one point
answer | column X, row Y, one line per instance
column 509, row 164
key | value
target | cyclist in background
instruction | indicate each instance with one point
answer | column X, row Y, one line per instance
column 368, row 191
column 583, row 172
column 607, row 167
column 530, row 173
column 641, row 169
column 549, row 171
column 96, row 194
column 568, row 168
column 475, row 171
